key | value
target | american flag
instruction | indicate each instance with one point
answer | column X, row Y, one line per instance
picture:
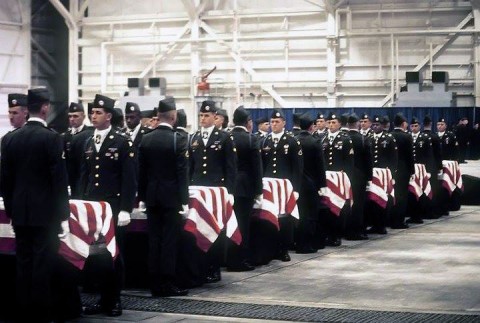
column 452, row 176
column 89, row 222
column 381, row 186
column 211, row 211
column 279, row 200
column 420, row 183
column 339, row 191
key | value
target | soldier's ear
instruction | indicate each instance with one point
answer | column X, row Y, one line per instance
column 109, row 116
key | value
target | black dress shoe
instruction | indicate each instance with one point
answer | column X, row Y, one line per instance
column 376, row 230
column 306, row 250
column 283, row 256
column 93, row 309
column 213, row 277
column 356, row 237
column 116, row 310
column 415, row 220
column 243, row 266
column 400, row 226
column 334, row 242
column 169, row 290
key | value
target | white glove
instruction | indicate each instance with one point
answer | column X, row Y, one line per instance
column 296, row 195
column 231, row 198
column 184, row 211
column 141, row 206
column 258, row 199
column 412, row 177
column 322, row 191
column 123, row 218
column 65, row 229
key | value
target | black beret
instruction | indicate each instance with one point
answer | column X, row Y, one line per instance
column 353, row 118
column 377, row 119
column 146, row 113
column 320, row 116
column 17, row 99
column 131, row 107
column 442, row 119
column 398, row 119
column 106, row 103
column 38, row 96
column 277, row 113
column 427, row 119
column 90, row 107
column 181, row 118
column 75, row 107
column 166, row 105
column 241, row 116
column 306, row 121
column 118, row 112
column 344, row 118
column 208, row 106
column 333, row 116
column 385, row 119
column 365, row 116
column 222, row 112
column 415, row 120
column 296, row 117
column 261, row 120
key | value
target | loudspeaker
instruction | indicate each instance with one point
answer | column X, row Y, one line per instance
column 135, row 86
column 133, row 82
column 439, row 77
column 413, row 77
column 158, row 85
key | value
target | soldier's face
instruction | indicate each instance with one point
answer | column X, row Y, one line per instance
column 334, row 125
column 207, row 119
column 153, row 123
column 264, row 126
column 132, row 119
column 365, row 124
column 320, row 124
column 277, row 124
column 415, row 128
column 17, row 116
column 100, row 118
column 219, row 121
column 377, row 127
column 75, row 119
column 441, row 126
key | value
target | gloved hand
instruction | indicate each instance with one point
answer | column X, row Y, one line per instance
column 322, row 191
column 369, row 183
column 296, row 195
column 123, row 218
column 184, row 211
column 65, row 229
column 141, row 206
column 231, row 198
column 258, row 199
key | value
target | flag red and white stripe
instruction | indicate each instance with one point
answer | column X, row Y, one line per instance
column 88, row 222
column 211, row 211
column 7, row 235
column 452, row 176
column 381, row 187
column 339, row 191
column 278, row 201
column 420, row 183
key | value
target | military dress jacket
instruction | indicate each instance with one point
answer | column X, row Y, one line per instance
column 449, row 145
column 313, row 162
column 422, row 149
column 339, row 153
column 110, row 174
column 435, row 163
column 213, row 164
column 283, row 161
column 362, row 155
column 384, row 151
column 406, row 164
column 163, row 169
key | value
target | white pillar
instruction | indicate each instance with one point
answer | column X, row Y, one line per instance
column 331, row 60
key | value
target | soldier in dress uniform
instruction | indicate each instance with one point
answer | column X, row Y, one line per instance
column 181, row 125
column 344, row 122
column 384, row 155
column 434, row 165
column 118, row 120
column 338, row 152
column 17, row 109
column 321, row 127
column 422, row 154
column 263, row 127
column 163, row 186
column 34, row 186
column 296, row 123
column 282, row 158
column 109, row 174
column 134, row 128
column 355, row 224
column 313, row 182
column 405, row 170
column 221, row 120
column 365, row 125
column 248, row 187
column 213, row 162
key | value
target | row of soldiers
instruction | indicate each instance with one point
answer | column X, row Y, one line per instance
column 155, row 167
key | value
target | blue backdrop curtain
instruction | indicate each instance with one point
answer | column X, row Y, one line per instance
column 452, row 115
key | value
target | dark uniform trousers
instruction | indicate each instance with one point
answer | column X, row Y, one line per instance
column 449, row 146
column 422, row 154
column 163, row 186
column 402, row 176
column 309, row 202
column 385, row 155
column 248, row 184
column 213, row 164
column 109, row 175
column 355, row 224
column 34, row 187
column 434, row 166
column 282, row 160
column 339, row 156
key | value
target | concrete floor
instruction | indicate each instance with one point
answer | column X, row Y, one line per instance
column 433, row 267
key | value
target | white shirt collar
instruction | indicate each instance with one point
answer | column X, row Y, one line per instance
column 334, row 135
column 103, row 134
column 78, row 129
column 166, row 125
column 209, row 130
column 38, row 120
column 241, row 127
column 377, row 135
column 263, row 132
column 135, row 132
column 440, row 134
column 278, row 135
